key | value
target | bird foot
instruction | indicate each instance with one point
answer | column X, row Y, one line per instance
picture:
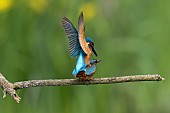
column 88, row 65
column 86, row 78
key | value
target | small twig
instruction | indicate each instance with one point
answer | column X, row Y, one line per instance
column 11, row 88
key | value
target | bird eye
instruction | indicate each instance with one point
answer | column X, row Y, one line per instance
column 92, row 43
column 90, row 46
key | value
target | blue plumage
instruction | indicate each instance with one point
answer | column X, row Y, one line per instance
column 80, row 65
column 91, row 69
column 80, row 47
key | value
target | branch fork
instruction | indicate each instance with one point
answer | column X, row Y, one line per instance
column 8, row 88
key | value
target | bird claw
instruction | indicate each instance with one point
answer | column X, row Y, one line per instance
column 85, row 78
column 88, row 65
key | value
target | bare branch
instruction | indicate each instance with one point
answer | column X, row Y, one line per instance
column 10, row 88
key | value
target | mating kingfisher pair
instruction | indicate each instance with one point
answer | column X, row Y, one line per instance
column 80, row 47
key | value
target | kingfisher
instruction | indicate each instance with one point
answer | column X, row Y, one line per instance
column 86, row 73
column 81, row 47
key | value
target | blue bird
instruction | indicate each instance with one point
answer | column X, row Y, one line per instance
column 86, row 73
column 79, row 45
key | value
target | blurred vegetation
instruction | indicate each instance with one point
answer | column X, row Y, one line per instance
column 131, row 37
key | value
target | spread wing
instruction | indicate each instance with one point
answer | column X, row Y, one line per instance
column 72, row 34
column 81, row 36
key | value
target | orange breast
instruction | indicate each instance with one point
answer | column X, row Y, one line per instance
column 87, row 58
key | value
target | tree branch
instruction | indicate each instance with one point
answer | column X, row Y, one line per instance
column 10, row 88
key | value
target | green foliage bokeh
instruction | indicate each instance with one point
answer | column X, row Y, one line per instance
column 131, row 37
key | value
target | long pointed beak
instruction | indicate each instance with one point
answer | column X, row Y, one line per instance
column 94, row 51
column 97, row 61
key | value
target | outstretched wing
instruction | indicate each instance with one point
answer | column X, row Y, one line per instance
column 72, row 34
column 81, row 36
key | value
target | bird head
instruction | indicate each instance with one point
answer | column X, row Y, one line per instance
column 91, row 45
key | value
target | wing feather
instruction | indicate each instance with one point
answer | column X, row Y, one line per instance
column 72, row 34
column 81, row 36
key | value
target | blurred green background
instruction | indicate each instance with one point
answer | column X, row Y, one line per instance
column 131, row 37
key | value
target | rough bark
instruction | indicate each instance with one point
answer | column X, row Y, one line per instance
column 10, row 88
